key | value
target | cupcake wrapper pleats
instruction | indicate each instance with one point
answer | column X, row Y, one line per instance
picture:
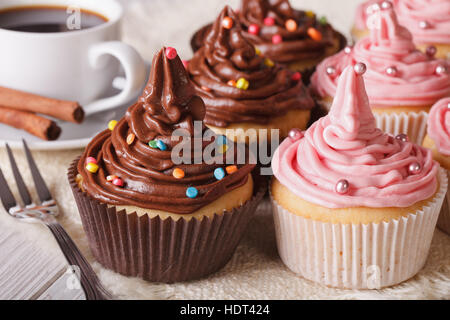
column 444, row 218
column 161, row 250
column 413, row 124
column 357, row 256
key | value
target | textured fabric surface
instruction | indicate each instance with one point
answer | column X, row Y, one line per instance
column 255, row 271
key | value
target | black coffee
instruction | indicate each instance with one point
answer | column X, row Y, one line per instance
column 47, row 19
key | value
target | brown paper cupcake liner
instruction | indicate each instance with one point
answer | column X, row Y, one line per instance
column 161, row 250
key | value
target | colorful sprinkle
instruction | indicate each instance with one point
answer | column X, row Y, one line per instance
column 221, row 140
column 223, row 149
column 118, row 182
column 219, row 173
column 257, row 51
column 130, row 138
column 92, row 167
column 232, row 83
column 112, row 124
column 296, row 76
column 161, row 145
column 269, row 63
column 323, row 20
column 111, row 178
column 178, row 173
column 171, row 53
column 185, row 63
column 253, row 29
column 90, row 160
column 153, row 144
column 314, row 34
column 342, row 186
column 191, row 192
column 309, row 14
column 242, row 83
column 227, row 23
column 269, row 21
column 290, row 25
column 231, row 169
column 276, row 38
column 206, row 89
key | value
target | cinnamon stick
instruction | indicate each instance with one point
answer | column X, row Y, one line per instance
column 32, row 123
column 59, row 109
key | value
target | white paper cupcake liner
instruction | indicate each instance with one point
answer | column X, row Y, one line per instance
column 358, row 256
column 443, row 222
column 413, row 124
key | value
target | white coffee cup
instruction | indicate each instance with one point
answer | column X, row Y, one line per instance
column 76, row 65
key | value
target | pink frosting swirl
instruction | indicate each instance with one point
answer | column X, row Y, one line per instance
column 397, row 75
column 413, row 14
column 439, row 125
column 346, row 144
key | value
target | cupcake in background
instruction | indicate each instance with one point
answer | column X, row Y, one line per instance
column 295, row 38
column 150, row 215
column 428, row 22
column 438, row 140
column 402, row 83
column 244, row 91
column 353, row 206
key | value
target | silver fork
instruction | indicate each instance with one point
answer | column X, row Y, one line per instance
column 46, row 213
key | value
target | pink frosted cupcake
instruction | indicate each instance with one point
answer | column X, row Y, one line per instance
column 353, row 206
column 402, row 83
column 438, row 140
column 428, row 21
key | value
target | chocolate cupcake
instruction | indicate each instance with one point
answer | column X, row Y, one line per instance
column 147, row 213
column 244, row 91
column 294, row 38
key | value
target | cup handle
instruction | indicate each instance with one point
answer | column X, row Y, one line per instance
column 133, row 65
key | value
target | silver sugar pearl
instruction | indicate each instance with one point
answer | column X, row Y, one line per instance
column 348, row 49
column 391, row 71
column 342, row 186
column 386, row 5
column 414, row 168
column 431, row 51
column 424, row 24
column 402, row 137
column 440, row 69
column 448, row 106
column 295, row 134
column 360, row 68
column 331, row 70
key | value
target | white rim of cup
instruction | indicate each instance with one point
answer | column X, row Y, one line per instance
column 113, row 16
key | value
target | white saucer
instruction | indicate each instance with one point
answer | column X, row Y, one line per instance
column 73, row 135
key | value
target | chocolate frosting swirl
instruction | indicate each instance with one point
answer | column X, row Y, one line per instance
column 228, row 56
column 297, row 45
column 167, row 103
